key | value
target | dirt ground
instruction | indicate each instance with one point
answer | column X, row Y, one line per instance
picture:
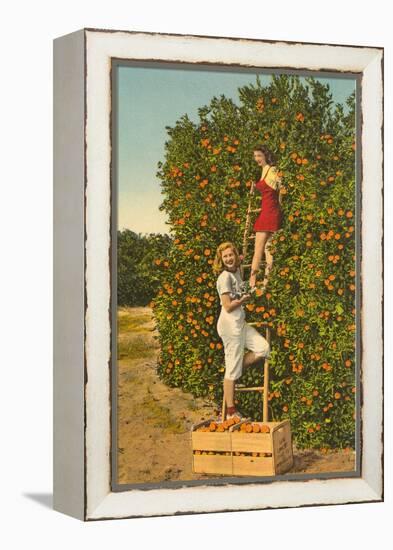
column 154, row 420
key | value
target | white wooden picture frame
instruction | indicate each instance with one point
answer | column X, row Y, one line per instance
column 82, row 267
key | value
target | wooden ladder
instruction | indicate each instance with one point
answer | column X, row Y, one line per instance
column 264, row 390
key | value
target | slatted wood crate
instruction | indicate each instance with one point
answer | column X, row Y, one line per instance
column 238, row 452
column 262, row 453
column 211, row 450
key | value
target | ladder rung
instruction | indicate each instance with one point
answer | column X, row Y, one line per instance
column 241, row 388
column 254, row 210
column 251, row 237
column 249, row 265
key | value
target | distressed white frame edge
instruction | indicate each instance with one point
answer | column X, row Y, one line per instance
column 100, row 501
column 68, row 274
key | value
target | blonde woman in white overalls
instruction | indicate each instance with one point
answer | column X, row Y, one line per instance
column 232, row 328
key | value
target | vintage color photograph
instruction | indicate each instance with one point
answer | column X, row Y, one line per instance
column 235, row 270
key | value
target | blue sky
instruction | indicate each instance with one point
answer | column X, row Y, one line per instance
column 152, row 98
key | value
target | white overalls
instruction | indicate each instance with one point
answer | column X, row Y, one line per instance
column 232, row 328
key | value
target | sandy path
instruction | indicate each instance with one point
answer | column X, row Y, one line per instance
column 155, row 420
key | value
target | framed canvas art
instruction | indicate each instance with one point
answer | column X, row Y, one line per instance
column 218, row 274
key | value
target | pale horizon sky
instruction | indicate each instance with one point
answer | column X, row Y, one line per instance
column 151, row 98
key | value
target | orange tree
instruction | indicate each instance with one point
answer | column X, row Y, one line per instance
column 310, row 302
column 136, row 282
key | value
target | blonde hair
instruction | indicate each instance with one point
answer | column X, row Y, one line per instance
column 218, row 264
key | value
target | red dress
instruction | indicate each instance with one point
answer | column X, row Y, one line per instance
column 270, row 216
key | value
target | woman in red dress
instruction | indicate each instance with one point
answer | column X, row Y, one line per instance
column 270, row 217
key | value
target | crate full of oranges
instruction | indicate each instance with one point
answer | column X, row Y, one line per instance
column 211, row 446
column 243, row 448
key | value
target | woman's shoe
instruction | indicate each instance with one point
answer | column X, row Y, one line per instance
column 237, row 415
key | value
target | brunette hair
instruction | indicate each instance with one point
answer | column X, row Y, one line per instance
column 218, row 264
column 268, row 154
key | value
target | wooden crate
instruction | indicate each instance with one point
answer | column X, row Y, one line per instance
column 211, row 442
column 235, row 452
column 262, row 454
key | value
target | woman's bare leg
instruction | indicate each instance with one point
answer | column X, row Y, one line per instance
column 229, row 392
column 250, row 358
column 260, row 241
column 269, row 259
